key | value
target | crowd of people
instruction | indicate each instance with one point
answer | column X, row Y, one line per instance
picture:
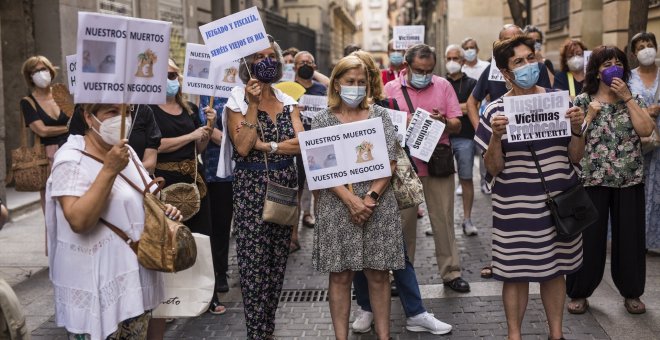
column 232, row 150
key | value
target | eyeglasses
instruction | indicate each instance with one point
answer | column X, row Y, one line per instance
column 38, row 70
column 172, row 75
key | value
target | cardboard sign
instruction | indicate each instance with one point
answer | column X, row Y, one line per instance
column 495, row 74
column 423, row 134
column 346, row 153
column 399, row 119
column 121, row 59
column 235, row 36
column 312, row 104
column 71, row 72
column 407, row 36
column 204, row 77
column 537, row 116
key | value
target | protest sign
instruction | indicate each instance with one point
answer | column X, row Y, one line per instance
column 587, row 55
column 312, row 104
column 204, row 77
column 407, row 36
column 288, row 74
column 235, row 36
column 537, row 116
column 399, row 119
column 494, row 74
column 121, row 59
column 423, row 134
column 345, row 153
column 71, row 72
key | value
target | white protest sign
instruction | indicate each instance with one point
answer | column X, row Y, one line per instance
column 206, row 78
column 235, row 36
column 399, row 119
column 288, row 74
column 71, row 72
column 423, row 134
column 346, row 153
column 313, row 104
column 121, row 59
column 407, row 36
column 537, row 116
column 494, row 74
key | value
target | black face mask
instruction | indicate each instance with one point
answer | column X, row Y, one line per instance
column 305, row 72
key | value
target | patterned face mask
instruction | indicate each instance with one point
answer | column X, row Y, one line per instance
column 266, row 70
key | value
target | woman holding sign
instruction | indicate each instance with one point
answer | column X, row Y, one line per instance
column 613, row 175
column 525, row 244
column 263, row 125
column 359, row 226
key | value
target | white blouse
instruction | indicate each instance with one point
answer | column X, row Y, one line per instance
column 96, row 276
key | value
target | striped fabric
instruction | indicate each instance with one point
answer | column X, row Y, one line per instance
column 525, row 248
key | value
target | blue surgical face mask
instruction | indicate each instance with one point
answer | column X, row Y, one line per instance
column 172, row 87
column 352, row 96
column 526, row 76
column 420, row 81
column 470, row 54
column 396, row 58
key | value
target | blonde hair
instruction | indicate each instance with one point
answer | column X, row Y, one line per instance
column 344, row 65
column 31, row 63
column 375, row 80
column 178, row 98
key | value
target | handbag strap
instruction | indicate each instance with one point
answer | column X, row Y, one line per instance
column 538, row 168
column 408, row 101
column 263, row 138
column 159, row 181
column 122, row 235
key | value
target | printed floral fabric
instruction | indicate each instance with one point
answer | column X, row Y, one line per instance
column 613, row 151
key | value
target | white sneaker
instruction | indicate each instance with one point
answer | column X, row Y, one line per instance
column 485, row 189
column 459, row 190
column 426, row 322
column 469, row 229
column 363, row 321
column 429, row 232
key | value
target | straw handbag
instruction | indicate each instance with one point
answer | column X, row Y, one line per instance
column 29, row 165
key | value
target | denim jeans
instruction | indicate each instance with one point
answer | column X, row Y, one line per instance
column 406, row 284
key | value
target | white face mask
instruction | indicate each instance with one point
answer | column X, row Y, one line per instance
column 41, row 79
column 453, row 67
column 575, row 63
column 110, row 129
column 646, row 56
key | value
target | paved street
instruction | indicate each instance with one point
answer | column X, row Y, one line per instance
column 304, row 314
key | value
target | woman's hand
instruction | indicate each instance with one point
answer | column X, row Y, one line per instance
column 253, row 91
column 116, row 158
column 173, row 213
column 200, row 134
column 360, row 210
column 576, row 116
column 593, row 110
column 498, row 124
column 621, row 89
column 211, row 114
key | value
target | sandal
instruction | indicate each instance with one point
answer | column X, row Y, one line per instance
column 217, row 308
column 635, row 306
column 294, row 246
column 487, row 272
column 308, row 221
column 578, row 306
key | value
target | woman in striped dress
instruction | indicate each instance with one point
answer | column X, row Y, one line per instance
column 525, row 247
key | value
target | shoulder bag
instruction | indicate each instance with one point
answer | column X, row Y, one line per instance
column 29, row 165
column 281, row 202
column 185, row 196
column 165, row 245
column 572, row 211
column 441, row 163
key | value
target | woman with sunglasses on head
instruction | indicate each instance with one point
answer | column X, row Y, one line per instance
column 41, row 113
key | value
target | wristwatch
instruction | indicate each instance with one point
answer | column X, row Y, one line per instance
column 273, row 147
column 373, row 195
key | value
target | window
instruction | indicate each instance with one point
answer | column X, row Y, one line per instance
column 117, row 7
column 558, row 14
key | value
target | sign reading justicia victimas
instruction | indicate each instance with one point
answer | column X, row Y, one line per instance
column 537, row 116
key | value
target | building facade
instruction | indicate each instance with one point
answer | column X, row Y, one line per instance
column 373, row 28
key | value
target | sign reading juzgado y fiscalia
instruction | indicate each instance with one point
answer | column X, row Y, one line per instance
column 346, row 153
column 537, row 116
column 71, row 72
column 423, row 134
column 235, row 36
column 407, row 36
column 121, row 59
column 204, row 77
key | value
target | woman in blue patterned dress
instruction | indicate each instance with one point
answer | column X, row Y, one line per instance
column 644, row 82
column 525, row 244
column 262, row 248
column 613, row 174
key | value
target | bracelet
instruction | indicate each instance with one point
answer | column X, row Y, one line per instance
column 629, row 99
column 578, row 135
column 248, row 124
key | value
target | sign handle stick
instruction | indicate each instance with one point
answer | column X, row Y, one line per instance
column 209, row 122
column 350, row 188
column 247, row 67
column 122, row 130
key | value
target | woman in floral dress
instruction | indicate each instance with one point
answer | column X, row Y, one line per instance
column 262, row 122
column 612, row 172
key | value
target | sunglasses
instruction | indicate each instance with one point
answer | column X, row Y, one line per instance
column 172, row 75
